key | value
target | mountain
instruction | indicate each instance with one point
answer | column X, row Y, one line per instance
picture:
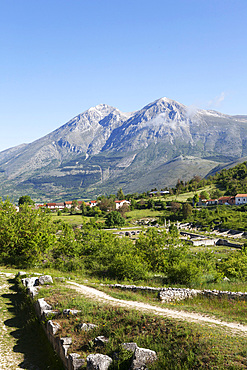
column 103, row 149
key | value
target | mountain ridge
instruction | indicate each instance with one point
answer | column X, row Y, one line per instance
column 103, row 149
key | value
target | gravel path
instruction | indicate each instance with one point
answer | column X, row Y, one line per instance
column 181, row 315
column 9, row 359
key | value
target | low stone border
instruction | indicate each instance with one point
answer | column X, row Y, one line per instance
column 171, row 294
column 226, row 294
column 73, row 361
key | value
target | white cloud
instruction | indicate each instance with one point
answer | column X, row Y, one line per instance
column 217, row 100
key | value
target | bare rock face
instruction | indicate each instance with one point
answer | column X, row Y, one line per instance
column 102, row 147
column 142, row 357
column 98, row 362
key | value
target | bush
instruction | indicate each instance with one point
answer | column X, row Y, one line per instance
column 114, row 218
column 183, row 273
column 128, row 266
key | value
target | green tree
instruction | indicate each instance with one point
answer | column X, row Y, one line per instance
column 107, row 205
column 74, row 206
column 195, row 199
column 187, row 210
column 25, row 199
column 24, row 236
column 114, row 219
column 204, row 195
column 120, row 194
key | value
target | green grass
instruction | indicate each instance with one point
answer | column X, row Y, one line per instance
column 142, row 213
column 183, row 197
column 179, row 345
column 222, row 308
column 74, row 220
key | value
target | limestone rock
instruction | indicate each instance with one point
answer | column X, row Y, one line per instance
column 101, row 340
column 30, row 282
column 21, row 273
column 131, row 346
column 142, row 357
column 68, row 312
column 41, row 305
column 45, row 279
column 32, row 291
column 65, row 344
column 86, row 326
column 61, row 279
column 53, row 327
column 98, row 362
column 75, row 361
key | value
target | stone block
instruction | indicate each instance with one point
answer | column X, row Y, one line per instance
column 142, row 357
column 45, row 279
column 98, row 362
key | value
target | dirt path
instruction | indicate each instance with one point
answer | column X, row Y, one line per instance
column 9, row 359
column 181, row 315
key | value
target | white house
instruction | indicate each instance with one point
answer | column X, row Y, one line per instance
column 120, row 203
column 240, row 199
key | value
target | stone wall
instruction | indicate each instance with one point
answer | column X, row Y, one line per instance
column 171, row 294
column 72, row 361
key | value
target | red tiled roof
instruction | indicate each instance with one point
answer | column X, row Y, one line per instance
column 241, row 195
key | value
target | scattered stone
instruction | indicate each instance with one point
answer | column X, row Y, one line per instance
column 30, row 282
column 68, row 312
column 76, row 361
column 86, row 326
column 32, row 291
column 53, row 327
column 131, row 346
column 50, row 313
column 40, row 306
column 98, row 362
column 65, row 344
column 21, row 273
column 61, row 279
column 45, row 279
column 142, row 357
column 100, row 341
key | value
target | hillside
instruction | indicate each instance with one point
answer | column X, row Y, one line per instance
column 103, row 149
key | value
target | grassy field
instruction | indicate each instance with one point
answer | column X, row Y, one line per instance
column 74, row 220
column 179, row 345
column 142, row 213
column 227, row 310
column 185, row 196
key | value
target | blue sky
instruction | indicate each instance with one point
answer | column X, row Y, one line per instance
column 60, row 57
